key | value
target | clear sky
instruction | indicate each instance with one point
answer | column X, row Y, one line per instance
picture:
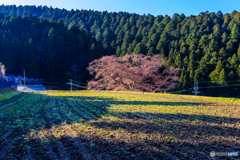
column 154, row 7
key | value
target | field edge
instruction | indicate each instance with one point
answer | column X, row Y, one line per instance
column 8, row 94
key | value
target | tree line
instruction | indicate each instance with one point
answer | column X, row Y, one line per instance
column 204, row 47
column 46, row 48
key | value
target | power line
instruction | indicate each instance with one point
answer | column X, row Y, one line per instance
column 217, row 81
column 80, row 82
column 53, row 82
column 206, row 87
column 181, row 90
column 75, row 85
column 221, row 86
column 80, row 86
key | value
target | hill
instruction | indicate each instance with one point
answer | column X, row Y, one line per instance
column 205, row 47
column 46, row 48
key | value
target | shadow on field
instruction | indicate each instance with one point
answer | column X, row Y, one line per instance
column 182, row 117
column 169, row 128
column 139, row 140
column 105, row 103
column 96, row 147
column 116, row 101
column 85, row 148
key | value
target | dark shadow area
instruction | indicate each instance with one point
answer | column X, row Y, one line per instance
column 181, row 139
column 180, row 117
column 104, row 103
column 84, row 148
column 114, row 101
column 167, row 127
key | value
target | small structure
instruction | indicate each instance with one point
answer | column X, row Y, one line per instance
column 30, row 88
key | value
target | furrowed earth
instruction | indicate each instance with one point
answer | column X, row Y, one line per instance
column 117, row 125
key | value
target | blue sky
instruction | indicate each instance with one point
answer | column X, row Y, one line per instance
column 154, row 7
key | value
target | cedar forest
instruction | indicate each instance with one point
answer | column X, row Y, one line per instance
column 56, row 44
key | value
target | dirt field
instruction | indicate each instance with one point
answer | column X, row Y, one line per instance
column 117, row 125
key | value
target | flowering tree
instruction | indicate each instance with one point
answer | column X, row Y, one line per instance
column 2, row 76
column 132, row 72
column 2, row 68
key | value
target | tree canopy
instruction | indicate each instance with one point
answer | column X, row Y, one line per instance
column 132, row 72
column 194, row 44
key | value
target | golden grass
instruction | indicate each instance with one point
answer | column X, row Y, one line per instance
column 155, row 103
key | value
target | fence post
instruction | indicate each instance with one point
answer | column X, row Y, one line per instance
column 71, row 84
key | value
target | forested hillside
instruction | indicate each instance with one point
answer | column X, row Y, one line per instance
column 46, row 49
column 205, row 47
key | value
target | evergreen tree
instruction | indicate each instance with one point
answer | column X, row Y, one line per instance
column 140, row 48
column 195, row 43
column 235, row 35
column 150, row 52
column 118, row 52
column 55, row 55
column 130, row 49
column 178, row 61
column 214, row 75
column 196, row 76
column 223, row 77
column 28, row 60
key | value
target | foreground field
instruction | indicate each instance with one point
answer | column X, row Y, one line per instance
column 117, row 125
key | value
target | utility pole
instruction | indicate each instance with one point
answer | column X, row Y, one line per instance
column 70, row 84
column 24, row 77
column 196, row 88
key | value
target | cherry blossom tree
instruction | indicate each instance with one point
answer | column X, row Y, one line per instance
column 132, row 73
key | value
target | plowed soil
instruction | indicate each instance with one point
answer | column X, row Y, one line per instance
column 93, row 125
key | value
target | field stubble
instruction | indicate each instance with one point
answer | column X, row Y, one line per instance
column 117, row 125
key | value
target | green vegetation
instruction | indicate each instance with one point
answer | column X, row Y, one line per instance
column 205, row 47
column 8, row 94
column 38, row 46
column 116, row 125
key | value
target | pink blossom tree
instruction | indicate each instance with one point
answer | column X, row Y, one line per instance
column 132, row 72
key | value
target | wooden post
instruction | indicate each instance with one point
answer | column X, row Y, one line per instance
column 71, row 84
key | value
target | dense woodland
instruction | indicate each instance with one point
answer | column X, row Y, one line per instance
column 60, row 43
column 46, row 49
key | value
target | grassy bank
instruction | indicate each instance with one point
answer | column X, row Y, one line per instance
column 8, row 94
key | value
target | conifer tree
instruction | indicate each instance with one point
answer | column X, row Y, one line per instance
column 118, row 52
column 178, row 61
column 196, row 76
column 150, row 52
column 214, row 75
column 28, row 60
column 130, row 49
column 223, row 77
column 235, row 35
column 140, row 48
